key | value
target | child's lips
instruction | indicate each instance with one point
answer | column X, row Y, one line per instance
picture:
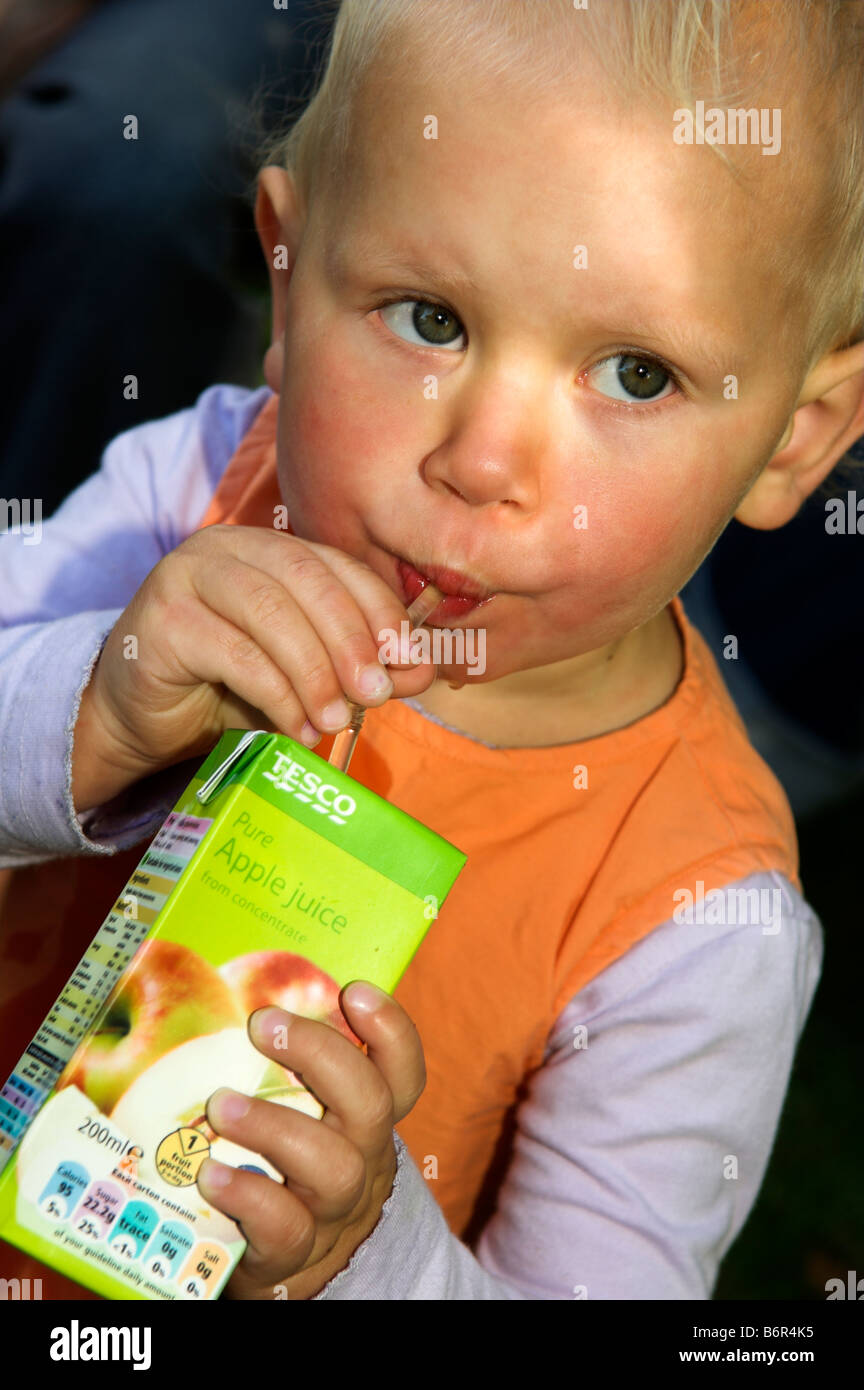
column 461, row 594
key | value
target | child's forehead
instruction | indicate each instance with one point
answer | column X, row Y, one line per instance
column 533, row 46
column 422, row 135
column 413, row 88
column 577, row 149
column 518, row 69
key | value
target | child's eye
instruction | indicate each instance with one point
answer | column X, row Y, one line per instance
column 635, row 378
column 433, row 325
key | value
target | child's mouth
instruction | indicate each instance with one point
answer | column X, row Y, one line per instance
column 461, row 594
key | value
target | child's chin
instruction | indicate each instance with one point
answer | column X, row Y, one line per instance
column 463, row 675
column 458, row 658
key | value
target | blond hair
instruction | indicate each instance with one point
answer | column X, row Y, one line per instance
column 721, row 51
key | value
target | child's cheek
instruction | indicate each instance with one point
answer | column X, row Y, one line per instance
column 330, row 444
column 624, row 547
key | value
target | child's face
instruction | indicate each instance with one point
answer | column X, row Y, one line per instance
column 475, row 453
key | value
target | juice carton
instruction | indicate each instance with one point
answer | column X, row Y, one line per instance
column 275, row 879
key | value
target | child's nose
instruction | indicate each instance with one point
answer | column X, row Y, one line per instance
column 491, row 450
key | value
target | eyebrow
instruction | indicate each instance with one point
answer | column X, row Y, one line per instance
column 685, row 344
column 455, row 281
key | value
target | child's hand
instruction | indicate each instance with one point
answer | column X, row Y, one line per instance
column 339, row 1170
column 239, row 627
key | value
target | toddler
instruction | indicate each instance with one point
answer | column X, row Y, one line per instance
column 549, row 309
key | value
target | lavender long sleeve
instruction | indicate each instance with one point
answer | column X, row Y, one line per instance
column 638, row 1156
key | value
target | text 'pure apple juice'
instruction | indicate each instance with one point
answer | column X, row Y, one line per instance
column 276, row 879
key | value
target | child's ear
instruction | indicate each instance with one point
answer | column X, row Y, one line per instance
column 828, row 420
column 279, row 226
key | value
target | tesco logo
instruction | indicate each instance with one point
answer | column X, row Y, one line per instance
column 292, row 777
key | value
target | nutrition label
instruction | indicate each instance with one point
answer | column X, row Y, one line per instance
column 112, row 949
column 129, row 1236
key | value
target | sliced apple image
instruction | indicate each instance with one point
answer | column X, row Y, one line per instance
column 292, row 982
column 169, row 1099
column 174, row 1090
column 171, row 1095
column 169, row 995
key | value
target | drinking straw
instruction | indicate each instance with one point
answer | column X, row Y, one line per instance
column 346, row 740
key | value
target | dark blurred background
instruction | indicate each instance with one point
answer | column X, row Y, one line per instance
column 139, row 257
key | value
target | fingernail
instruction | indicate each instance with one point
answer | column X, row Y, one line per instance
column 374, row 680
column 264, row 1022
column 336, row 715
column 226, row 1104
column 216, row 1175
column 309, row 735
column 365, row 997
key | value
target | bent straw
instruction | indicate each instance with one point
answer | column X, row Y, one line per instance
column 346, row 740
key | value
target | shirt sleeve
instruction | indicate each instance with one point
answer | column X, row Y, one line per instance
column 63, row 585
column 644, row 1137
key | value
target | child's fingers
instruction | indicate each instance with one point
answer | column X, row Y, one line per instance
column 380, row 605
column 339, row 1075
column 385, row 614
column 325, row 1170
column 318, row 656
column 214, row 650
column 280, row 1229
column 267, row 585
column 365, row 1096
column 314, row 573
column 392, row 1040
column 382, row 608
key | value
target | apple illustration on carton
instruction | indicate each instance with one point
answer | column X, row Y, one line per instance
column 290, row 981
column 294, row 983
column 171, row 1096
column 169, row 995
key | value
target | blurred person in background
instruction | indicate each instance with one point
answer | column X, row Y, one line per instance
column 123, row 113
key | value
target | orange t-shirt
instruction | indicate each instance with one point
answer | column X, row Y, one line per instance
column 561, row 879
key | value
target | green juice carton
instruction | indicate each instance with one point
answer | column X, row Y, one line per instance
column 276, row 879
